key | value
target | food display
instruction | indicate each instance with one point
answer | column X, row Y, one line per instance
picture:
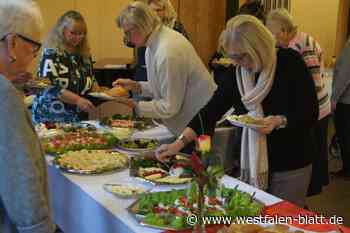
column 249, row 228
column 138, row 145
column 125, row 191
column 91, row 161
column 127, row 121
column 78, row 140
column 245, row 121
column 169, row 210
column 176, row 171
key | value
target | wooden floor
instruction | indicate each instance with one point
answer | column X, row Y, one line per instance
column 335, row 199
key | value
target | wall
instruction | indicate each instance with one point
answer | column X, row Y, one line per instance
column 104, row 36
column 204, row 20
column 319, row 20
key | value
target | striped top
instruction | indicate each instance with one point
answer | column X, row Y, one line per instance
column 312, row 54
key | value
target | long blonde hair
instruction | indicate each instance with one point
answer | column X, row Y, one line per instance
column 254, row 38
column 56, row 39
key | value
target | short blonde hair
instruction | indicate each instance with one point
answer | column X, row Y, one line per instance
column 253, row 37
column 139, row 15
column 169, row 11
column 282, row 17
column 56, row 39
column 20, row 16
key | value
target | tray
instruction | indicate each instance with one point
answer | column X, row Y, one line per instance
column 133, row 210
column 134, row 171
column 138, row 150
column 109, row 188
column 89, row 172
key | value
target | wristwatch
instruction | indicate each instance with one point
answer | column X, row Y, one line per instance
column 183, row 139
column 284, row 122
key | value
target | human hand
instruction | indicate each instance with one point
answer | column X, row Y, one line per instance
column 270, row 123
column 128, row 84
column 166, row 151
column 85, row 105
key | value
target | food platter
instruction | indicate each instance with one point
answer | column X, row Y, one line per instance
column 139, row 145
column 90, row 162
column 168, row 210
column 245, row 121
column 78, row 140
column 127, row 121
column 130, row 190
column 174, row 172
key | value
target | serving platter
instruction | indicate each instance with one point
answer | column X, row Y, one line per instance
column 174, row 172
column 140, row 145
column 91, row 162
column 169, row 210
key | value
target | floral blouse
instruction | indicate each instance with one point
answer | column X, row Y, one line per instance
column 66, row 71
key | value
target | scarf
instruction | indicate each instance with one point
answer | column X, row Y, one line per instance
column 254, row 154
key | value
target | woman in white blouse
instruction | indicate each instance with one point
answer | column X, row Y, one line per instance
column 178, row 82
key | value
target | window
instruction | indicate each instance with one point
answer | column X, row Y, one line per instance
column 273, row 4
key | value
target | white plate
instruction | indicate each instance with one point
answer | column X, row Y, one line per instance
column 101, row 95
column 144, row 187
column 241, row 124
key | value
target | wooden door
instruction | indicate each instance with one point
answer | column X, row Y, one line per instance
column 204, row 20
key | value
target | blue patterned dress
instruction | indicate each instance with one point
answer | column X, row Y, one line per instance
column 66, row 71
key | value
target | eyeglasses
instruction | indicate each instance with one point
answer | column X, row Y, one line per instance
column 80, row 34
column 36, row 45
column 237, row 57
column 128, row 33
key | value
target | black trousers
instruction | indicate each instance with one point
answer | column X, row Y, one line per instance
column 320, row 175
column 342, row 127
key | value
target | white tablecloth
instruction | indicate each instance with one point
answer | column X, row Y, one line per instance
column 80, row 205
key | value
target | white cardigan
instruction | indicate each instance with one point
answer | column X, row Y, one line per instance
column 178, row 81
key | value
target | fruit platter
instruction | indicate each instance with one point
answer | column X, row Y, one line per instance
column 138, row 145
column 175, row 171
column 91, row 161
column 169, row 210
column 127, row 121
column 78, row 140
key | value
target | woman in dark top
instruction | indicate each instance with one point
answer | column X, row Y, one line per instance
column 168, row 16
column 274, row 84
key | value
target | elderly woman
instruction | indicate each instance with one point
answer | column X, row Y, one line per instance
column 281, row 24
column 273, row 84
column 66, row 61
column 168, row 16
column 179, row 83
column 24, row 204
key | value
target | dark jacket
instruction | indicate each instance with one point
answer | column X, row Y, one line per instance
column 292, row 95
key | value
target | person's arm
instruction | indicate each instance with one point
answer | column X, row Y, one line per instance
column 225, row 96
column 302, row 102
column 341, row 77
column 23, row 176
column 173, row 81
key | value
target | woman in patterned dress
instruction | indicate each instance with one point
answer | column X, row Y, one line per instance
column 66, row 61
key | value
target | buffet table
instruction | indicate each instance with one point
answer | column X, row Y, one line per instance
column 81, row 205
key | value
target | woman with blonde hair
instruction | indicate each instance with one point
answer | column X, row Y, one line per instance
column 274, row 85
column 24, row 199
column 168, row 17
column 66, row 61
column 178, row 82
